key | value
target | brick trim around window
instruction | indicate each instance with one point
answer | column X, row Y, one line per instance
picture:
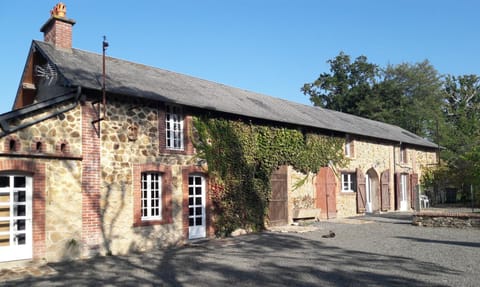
column 166, row 173
column 187, row 124
column 37, row 171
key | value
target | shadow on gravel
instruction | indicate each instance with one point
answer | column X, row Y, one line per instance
column 265, row 259
column 459, row 243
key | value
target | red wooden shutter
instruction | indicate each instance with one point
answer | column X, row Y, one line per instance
column 361, row 192
column 398, row 192
column 413, row 185
column 331, row 193
column 385, row 183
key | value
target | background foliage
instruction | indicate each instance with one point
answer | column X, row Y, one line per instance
column 241, row 157
column 442, row 108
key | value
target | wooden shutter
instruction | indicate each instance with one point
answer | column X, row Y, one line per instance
column 412, row 187
column 398, row 192
column 352, row 148
column 331, row 193
column 361, row 192
column 385, row 192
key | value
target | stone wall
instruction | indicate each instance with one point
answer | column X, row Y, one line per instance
column 445, row 219
column 301, row 191
column 377, row 157
column 130, row 135
column 60, row 152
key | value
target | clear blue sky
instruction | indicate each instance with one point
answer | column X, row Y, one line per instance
column 267, row 46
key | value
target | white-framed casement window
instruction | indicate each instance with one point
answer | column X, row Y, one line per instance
column 348, row 146
column 151, row 196
column 403, row 154
column 348, row 182
column 174, row 127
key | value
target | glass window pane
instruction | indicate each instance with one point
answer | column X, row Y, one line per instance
column 198, row 201
column 20, row 210
column 190, row 180
column 19, row 181
column 20, row 224
column 190, row 211
column 190, row 201
column 198, row 221
column 190, row 222
column 198, row 180
column 21, row 239
column 198, row 211
column 198, row 190
column 20, row 196
column 190, row 191
column 4, row 181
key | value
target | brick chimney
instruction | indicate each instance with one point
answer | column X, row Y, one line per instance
column 58, row 29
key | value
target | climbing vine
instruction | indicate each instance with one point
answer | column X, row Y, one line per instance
column 241, row 157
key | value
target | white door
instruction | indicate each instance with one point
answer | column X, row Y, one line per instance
column 196, row 207
column 15, row 217
column 368, row 188
column 403, row 192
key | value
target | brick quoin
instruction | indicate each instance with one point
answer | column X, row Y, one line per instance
column 91, row 217
column 37, row 171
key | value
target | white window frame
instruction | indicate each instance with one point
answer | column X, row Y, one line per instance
column 174, row 127
column 403, row 154
column 348, row 181
column 348, row 151
column 151, row 202
column 403, row 186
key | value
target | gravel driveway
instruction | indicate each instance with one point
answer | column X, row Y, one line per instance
column 382, row 250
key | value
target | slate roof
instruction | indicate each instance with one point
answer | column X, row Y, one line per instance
column 81, row 68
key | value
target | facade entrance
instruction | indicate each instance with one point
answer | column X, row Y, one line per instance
column 403, row 196
column 15, row 217
column 278, row 204
column 196, row 207
column 371, row 191
column 326, row 193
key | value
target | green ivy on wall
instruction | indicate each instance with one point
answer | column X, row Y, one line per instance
column 241, row 157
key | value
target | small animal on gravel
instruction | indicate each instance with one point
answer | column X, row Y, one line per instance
column 330, row 234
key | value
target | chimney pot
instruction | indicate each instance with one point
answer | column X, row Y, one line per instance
column 59, row 11
column 58, row 29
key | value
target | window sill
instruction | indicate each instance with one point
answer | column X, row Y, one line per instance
column 151, row 222
column 348, row 193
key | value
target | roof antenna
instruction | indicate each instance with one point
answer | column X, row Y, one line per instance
column 104, row 46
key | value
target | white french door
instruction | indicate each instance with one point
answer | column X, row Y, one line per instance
column 15, row 217
column 196, row 207
column 403, row 192
column 368, row 191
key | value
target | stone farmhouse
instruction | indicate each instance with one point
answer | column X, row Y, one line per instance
column 80, row 175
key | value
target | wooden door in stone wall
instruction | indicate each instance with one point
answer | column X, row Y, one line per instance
column 361, row 192
column 278, row 205
column 326, row 188
column 385, row 191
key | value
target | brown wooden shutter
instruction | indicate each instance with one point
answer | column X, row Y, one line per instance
column 385, row 183
column 352, row 148
column 331, row 193
column 398, row 192
column 413, row 184
column 361, row 192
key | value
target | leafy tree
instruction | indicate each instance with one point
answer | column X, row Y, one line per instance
column 345, row 87
column 461, row 134
column 411, row 97
column 407, row 95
